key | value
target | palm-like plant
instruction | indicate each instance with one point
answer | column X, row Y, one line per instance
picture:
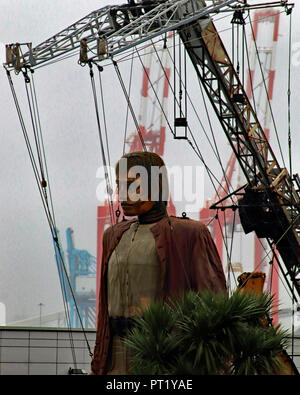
column 206, row 334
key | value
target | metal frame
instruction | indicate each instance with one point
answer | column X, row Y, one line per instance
column 119, row 27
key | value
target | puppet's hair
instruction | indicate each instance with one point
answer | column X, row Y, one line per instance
column 147, row 160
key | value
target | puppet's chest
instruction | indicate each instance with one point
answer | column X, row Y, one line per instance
column 134, row 277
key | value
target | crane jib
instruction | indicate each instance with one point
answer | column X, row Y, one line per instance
column 121, row 27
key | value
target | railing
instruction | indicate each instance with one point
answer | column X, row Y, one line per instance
column 39, row 351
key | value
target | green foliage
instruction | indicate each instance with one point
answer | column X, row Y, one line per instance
column 206, row 334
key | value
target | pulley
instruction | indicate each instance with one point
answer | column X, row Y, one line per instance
column 13, row 56
column 101, row 48
column 83, row 57
column 238, row 18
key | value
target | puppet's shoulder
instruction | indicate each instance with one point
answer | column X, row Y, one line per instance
column 117, row 229
column 189, row 225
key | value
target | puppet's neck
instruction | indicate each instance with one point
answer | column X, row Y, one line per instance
column 157, row 212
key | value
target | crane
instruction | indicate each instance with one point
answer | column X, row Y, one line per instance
column 262, row 59
column 80, row 286
column 270, row 205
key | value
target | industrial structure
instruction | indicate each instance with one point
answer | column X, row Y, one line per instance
column 259, row 89
column 78, row 284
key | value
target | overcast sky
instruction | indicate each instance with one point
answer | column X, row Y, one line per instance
column 28, row 273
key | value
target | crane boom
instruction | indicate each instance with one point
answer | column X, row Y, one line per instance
column 113, row 29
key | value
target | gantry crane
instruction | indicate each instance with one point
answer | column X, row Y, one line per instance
column 270, row 205
column 79, row 287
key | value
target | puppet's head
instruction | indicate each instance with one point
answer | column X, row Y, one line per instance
column 142, row 183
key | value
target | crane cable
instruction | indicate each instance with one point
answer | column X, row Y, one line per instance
column 42, row 184
column 196, row 150
column 215, row 150
column 127, row 110
column 34, row 165
column 290, row 156
column 229, row 254
column 105, row 162
column 216, row 153
column 129, row 104
column 109, row 189
column 184, row 86
column 266, row 90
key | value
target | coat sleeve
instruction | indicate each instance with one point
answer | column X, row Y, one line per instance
column 101, row 348
column 207, row 266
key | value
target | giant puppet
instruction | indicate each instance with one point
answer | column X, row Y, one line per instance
column 152, row 256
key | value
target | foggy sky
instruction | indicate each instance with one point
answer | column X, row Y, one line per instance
column 28, row 273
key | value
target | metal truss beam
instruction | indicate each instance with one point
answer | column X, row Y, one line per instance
column 114, row 29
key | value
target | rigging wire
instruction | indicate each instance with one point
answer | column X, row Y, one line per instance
column 216, row 151
column 36, row 126
column 42, row 190
column 293, row 298
column 289, row 95
column 290, row 154
column 108, row 185
column 223, row 237
column 43, row 152
column 196, row 150
column 266, row 90
column 184, row 85
column 129, row 104
column 228, row 182
column 249, row 68
column 198, row 118
column 104, row 116
column 228, row 251
column 63, row 286
column 105, row 164
column 30, row 154
column 128, row 52
column 162, row 109
column 127, row 110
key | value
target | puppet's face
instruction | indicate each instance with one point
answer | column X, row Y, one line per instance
column 134, row 201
